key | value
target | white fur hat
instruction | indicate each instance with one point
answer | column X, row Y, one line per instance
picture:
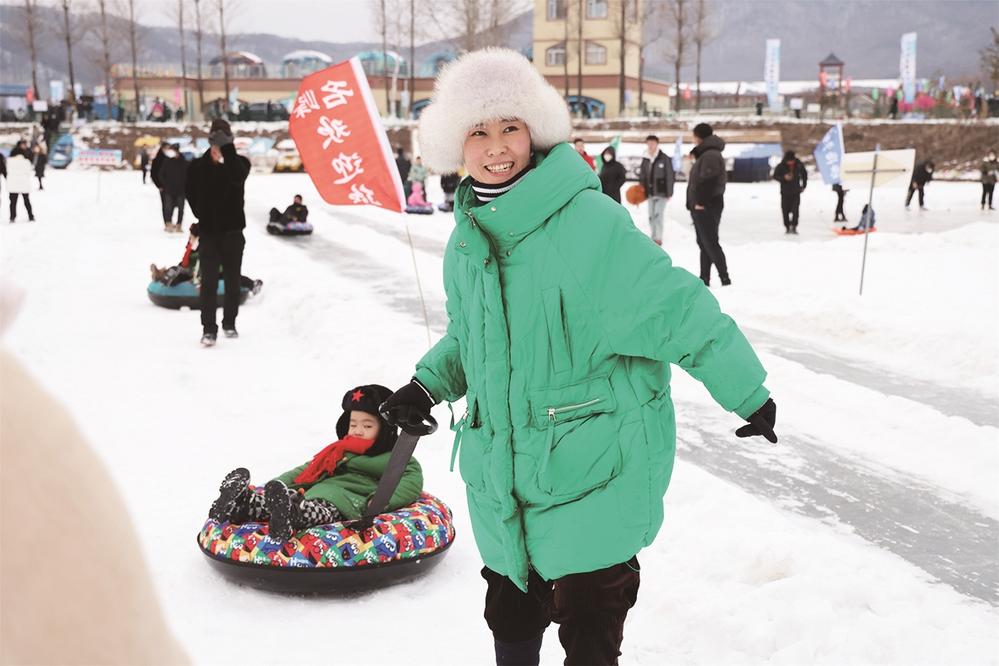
column 484, row 85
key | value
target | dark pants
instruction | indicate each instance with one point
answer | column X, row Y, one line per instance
column 171, row 201
column 913, row 188
column 840, row 215
column 145, row 172
column 589, row 607
column 706, row 223
column 225, row 250
column 987, row 190
column 27, row 205
column 789, row 205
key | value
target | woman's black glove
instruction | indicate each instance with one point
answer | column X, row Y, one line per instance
column 409, row 406
column 761, row 422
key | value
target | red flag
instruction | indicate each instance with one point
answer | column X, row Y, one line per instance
column 338, row 133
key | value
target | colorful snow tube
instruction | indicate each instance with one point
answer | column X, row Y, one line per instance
column 333, row 558
column 185, row 295
column 420, row 210
column 289, row 228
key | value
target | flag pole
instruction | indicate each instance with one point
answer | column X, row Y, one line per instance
column 870, row 216
column 419, row 286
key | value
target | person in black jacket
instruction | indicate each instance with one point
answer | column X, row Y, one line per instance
column 656, row 176
column 840, row 196
column 144, row 163
column 793, row 179
column 706, row 200
column 612, row 174
column 922, row 174
column 403, row 165
column 296, row 212
column 214, row 191
column 170, row 175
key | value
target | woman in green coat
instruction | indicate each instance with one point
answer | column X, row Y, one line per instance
column 563, row 322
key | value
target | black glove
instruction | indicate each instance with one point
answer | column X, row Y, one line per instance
column 409, row 406
column 761, row 422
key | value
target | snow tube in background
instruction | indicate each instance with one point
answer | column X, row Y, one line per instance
column 333, row 558
column 420, row 210
column 185, row 295
column 852, row 232
column 289, row 228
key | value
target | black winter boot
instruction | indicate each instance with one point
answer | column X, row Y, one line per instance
column 521, row 653
column 278, row 502
column 233, row 487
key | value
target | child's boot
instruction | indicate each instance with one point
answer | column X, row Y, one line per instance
column 278, row 503
column 234, row 485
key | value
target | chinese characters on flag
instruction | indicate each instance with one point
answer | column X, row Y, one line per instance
column 335, row 125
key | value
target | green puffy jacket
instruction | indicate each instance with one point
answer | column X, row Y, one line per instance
column 563, row 320
column 354, row 481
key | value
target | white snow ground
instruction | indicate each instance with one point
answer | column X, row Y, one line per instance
column 735, row 577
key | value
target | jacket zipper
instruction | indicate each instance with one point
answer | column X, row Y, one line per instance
column 553, row 413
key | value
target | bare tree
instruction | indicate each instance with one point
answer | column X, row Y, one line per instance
column 990, row 58
column 677, row 53
column 178, row 13
column 472, row 24
column 653, row 29
column 225, row 55
column 625, row 19
column 71, row 31
column 104, row 36
column 199, row 38
column 702, row 31
column 383, row 19
column 133, row 29
column 28, row 35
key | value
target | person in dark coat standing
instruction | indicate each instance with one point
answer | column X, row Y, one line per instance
column 403, row 165
column 144, row 163
column 170, row 175
column 41, row 161
column 990, row 173
column 612, row 174
column 656, row 176
column 214, row 189
column 840, row 196
column 706, row 200
column 922, row 174
column 793, row 179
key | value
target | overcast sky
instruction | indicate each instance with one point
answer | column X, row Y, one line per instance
column 328, row 20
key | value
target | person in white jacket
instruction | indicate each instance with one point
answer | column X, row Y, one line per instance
column 19, row 176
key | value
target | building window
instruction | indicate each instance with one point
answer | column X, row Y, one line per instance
column 632, row 11
column 596, row 9
column 556, row 9
column 555, row 55
column 595, row 54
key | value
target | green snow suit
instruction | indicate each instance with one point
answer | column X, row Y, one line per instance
column 563, row 321
column 354, row 481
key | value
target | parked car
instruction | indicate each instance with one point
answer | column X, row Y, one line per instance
column 288, row 157
column 61, row 153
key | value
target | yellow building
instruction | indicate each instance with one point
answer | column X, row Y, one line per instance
column 578, row 46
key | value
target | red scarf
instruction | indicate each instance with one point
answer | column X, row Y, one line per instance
column 324, row 462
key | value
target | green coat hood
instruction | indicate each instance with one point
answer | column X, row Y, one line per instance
column 563, row 321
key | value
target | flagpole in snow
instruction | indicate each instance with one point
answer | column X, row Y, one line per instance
column 870, row 216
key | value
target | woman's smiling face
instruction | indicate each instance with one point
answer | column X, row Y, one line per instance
column 496, row 150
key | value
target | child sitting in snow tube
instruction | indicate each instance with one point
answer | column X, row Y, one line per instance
column 292, row 222
column 309, row 510
column 418, row 205
column 178, row 286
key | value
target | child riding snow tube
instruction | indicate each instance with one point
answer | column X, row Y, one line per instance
column 186, row 295
column 353, row 517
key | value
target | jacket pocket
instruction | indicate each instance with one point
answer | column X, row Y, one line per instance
column 558, row 341
column 474, row 443
column 581, row 450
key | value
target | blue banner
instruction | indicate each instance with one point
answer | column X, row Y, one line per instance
column 771, row 74
column 907, row 66
column 829, row 155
